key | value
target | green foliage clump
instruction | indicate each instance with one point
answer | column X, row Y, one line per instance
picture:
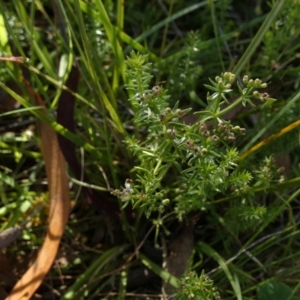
column 200, row 287
column 246, row 211
column 184, row 71
column 184, row 165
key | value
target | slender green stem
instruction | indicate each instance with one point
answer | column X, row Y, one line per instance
column 231, row 106
column 276, row 187
column 157, row 167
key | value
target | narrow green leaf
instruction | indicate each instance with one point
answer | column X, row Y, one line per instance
column 57, row 127
column 256, row 40
column 94, row 270
column 164, row 275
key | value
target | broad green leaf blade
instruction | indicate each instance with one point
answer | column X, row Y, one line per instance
column 275, row 291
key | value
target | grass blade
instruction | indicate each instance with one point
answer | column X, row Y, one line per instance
column 258, row 37
column 164, row 275
column 232, row 279
column 78, row 288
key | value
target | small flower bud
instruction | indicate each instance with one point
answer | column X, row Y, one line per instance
column 239, row 129
column 281, row 179
column 256, row 94
column 128, row 183
column 227, row 75
column 204, row 151
column 257, row 82
column 171, row 132
column 221, row 84
column 161, row 208
column 215, row 138
column 206, row 133
column 227, row 131
column 265, row 95
column 197, row 150
column 156, row 90
column 162, row 117
column 231, row 137
column 263, row 85
column 265, row 169
column 251, row 83
column 189, row 144
column 218, row 79
column 228, row 86
column 221, row 125
column 165, row 201
column 245, row 79
column 243, row 130
column 146, row 97
column 203, row 126
column 179, row 113
column 168, row 110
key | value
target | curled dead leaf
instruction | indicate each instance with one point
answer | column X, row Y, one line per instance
column 58, row 213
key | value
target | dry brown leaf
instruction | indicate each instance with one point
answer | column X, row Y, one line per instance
column 58, row 212
column 9, row 235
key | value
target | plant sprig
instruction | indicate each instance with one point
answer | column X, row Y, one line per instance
column 185, row 165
